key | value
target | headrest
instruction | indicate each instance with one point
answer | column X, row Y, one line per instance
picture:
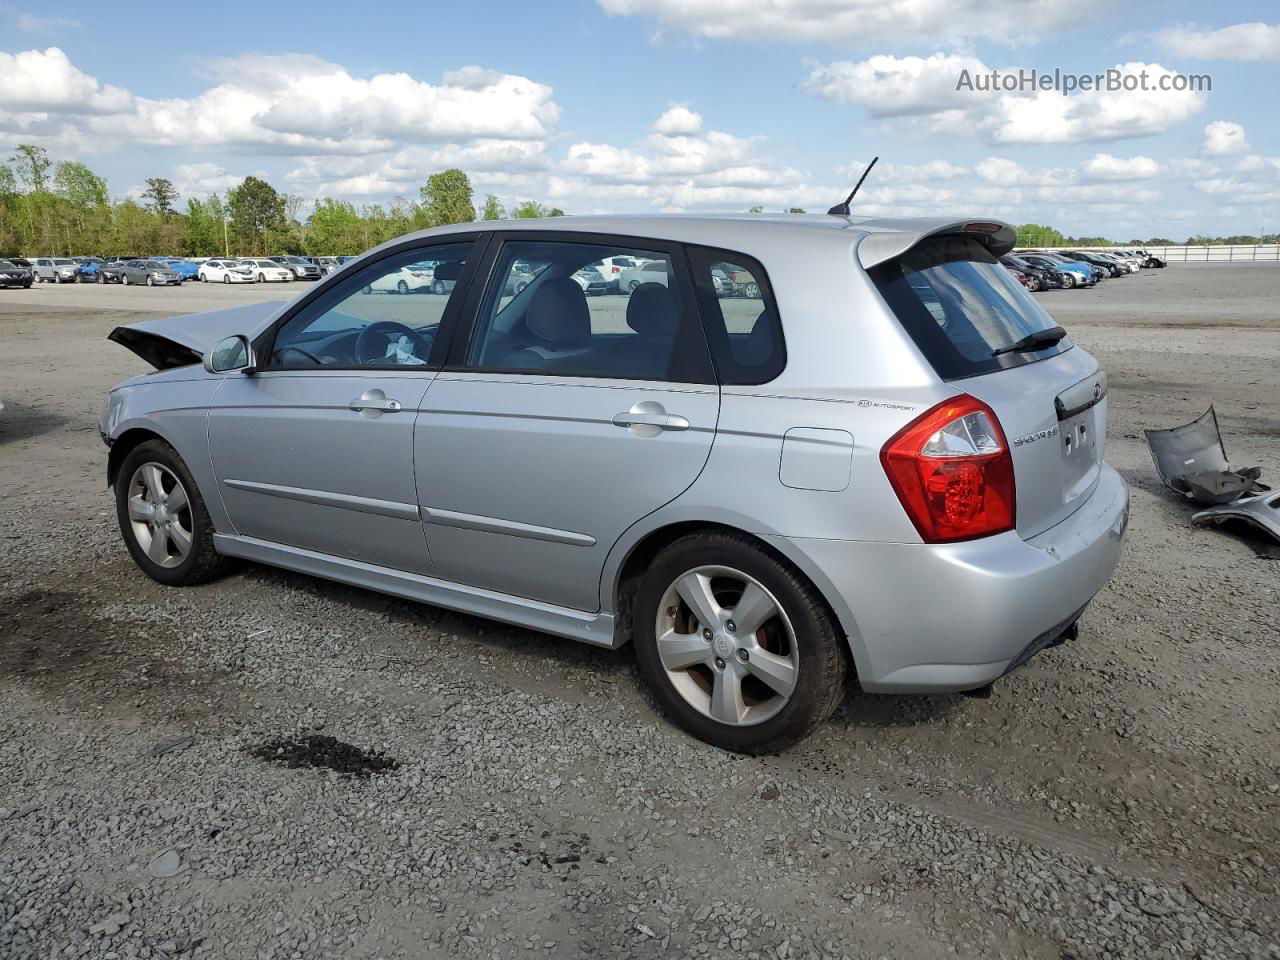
column 448, row 270
column 651, row 311
column 558, row 313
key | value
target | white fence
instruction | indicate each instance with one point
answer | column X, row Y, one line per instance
column 1215, row 253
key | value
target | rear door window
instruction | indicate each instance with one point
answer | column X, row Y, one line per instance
column 962, row 308
column 741, row 316
column 550, row 311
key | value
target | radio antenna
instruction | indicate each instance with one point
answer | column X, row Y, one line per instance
column 842, row 209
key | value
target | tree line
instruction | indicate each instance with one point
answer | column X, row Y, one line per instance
column 1037, row 235
column 63, row 208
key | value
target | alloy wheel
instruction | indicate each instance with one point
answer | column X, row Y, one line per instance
column 727, row 645
column 160, row 514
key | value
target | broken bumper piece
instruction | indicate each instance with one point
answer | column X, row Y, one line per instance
column 1192, row 461
column 1261, row 511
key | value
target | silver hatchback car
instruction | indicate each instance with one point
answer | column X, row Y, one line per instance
column 885, row 463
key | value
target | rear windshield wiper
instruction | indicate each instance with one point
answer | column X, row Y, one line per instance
column 1033, row 341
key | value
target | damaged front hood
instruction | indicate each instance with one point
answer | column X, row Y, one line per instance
column 181, row 341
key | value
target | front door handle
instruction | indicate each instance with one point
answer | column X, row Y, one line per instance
column 373, row 403
column 648, row 419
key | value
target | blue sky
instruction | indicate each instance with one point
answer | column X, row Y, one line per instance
column 612, row 105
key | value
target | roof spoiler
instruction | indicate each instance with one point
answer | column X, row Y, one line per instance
column 876, row 248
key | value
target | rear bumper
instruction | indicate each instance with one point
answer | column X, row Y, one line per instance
column 945, row 617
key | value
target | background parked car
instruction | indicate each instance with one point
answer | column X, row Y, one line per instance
column 300, row 267
column 1038, row 278
column 611, row 268
column 1109, row 267
column 1077, row 274
column 183, row 268
column 412, row 278
column 268, row 271
column 55, row 269
column 648, row 271
column 327, row 265
column 591, row 281
column 225, row 271
column 12, row 275
column 149, row 272
column 87, row 269
column 110, row 270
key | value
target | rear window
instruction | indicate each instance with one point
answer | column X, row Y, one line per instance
column 961, row 307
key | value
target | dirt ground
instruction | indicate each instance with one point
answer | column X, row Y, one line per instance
column 1119, row 796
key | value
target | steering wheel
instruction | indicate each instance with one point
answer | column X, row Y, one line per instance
column 392, row 331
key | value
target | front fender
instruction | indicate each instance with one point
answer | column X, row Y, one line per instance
column 176, row 411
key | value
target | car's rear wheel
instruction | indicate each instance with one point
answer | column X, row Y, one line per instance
column 402, row 288
column 631, row 287
column 226, row 278
column 439, row 288
column 737, row 647
column 262, row 278
column 163, row 518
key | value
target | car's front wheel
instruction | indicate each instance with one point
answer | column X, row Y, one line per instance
column 737, row 647
column 1068, row 281
column 163, row 517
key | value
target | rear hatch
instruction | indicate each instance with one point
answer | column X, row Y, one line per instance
column 965, row 312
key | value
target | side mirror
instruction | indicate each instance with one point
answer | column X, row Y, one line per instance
column 233, row 353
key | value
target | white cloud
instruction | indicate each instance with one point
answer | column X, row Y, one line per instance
column 1104, row 166
column 45, row 81
column 925, row 89
column 856, row 22
column 1236, row 189
column 282, row 104
column 678, row 119
column 31, row 23
column 1241, row 41
column 1223, row 138
column 889, row 86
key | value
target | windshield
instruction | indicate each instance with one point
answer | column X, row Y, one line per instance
column 6, row 265
column 63, row 263
column 961, row 307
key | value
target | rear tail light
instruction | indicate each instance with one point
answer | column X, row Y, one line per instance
column 952, row 471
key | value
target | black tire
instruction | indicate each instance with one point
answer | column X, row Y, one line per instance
column 439, row 289
column 631, row 287
column 203, row 562
column 1068, row 281
column 226, row 278
column 124, row 279
column 1033, row 283
column 821, row 647
column 402, row 288
column 262, row 278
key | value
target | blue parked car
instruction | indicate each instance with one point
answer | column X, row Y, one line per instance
column 87, row 269
column 1077, row 274
column 184, row 269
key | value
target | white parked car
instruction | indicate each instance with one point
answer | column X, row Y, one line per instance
column 226, row 271
column 612, row 268
column 408, row 279
column 650, row 271
column 266, row 271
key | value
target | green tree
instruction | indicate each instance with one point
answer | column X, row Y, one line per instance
column 33, row 166
column 205, row 236
column 493, row 208
column 1035, row 235
column 255, row 209
column 333, row 228
column 756, row 210
column 160, row 196
column 531, row 209
column 446, row 198
column 796, row 210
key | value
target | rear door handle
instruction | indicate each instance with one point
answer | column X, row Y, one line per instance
column 651, row 418
column 374, row 402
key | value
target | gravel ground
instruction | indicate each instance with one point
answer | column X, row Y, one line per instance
column 275, row 766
